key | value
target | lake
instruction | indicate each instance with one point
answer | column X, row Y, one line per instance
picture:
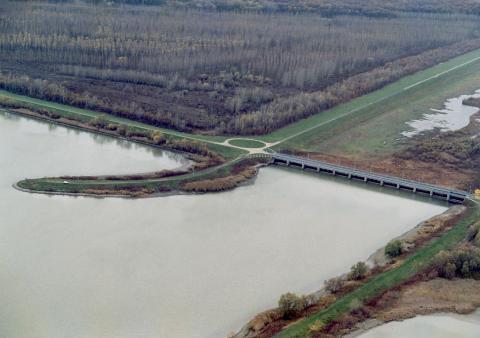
column 176, row 266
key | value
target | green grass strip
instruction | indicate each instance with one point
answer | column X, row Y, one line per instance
column 387, row 280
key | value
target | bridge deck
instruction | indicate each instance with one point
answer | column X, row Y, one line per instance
column 451, row 195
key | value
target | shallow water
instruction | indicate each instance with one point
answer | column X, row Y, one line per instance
column 453, row 117
column 178, row 266
column 438, row 326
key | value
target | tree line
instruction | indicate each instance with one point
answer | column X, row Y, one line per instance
column 371, row 8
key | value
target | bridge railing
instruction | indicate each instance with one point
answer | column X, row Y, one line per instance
column 368, row 175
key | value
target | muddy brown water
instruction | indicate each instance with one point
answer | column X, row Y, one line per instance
column 177, row 266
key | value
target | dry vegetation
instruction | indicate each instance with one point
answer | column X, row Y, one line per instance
column 240, row 174
column 213, row 71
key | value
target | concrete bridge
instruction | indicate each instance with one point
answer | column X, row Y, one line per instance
column 453, row 196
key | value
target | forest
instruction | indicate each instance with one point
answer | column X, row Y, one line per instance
column 212, row 71
column 373, row 8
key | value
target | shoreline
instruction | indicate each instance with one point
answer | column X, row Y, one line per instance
column 261, row 319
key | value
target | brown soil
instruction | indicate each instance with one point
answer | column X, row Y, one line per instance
column 450, row 159
column 437, row 295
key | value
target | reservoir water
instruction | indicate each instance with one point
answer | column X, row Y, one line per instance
column 178, row 266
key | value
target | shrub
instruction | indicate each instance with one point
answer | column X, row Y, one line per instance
column 334, row 285
column 112, row 126
column 122, row 130
column 450, row 270
column 291, row 305
column 99, row 121
column 355, row 304
column 358, row 271
column 472, row 235
column 463, row 262
column 317, row 326
column 158, row 138
column 394, row 249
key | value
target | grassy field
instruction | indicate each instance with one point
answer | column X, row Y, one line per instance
column 245, row 143
column 376, row 129
column 386, row 280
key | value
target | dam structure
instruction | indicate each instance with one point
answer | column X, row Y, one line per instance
column 450, row 195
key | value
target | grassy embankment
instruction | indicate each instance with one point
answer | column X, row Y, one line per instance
column 386, row 110
column 387, row 280
column 376, row 130
column 296, row 136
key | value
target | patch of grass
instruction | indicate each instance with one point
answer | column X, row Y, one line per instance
column 246, row 143
column 386, row 280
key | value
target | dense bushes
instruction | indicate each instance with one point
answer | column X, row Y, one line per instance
column 458, row 149
column 463, row 262
column 291, row 305
column 220, row 183
column 394, row 249
column 334, row 285
column 358, row 271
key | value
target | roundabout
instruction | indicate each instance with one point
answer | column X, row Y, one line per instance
column 252, row 146
column 246, row 143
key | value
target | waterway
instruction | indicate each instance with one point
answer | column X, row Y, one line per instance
column 180, row 266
